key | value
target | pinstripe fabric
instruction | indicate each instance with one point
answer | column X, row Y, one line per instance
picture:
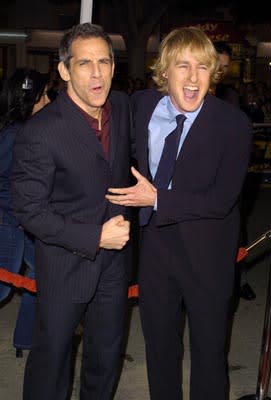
column 60, row 178
column 188, row 250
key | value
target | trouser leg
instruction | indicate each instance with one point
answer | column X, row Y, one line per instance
column 160, row 302
column 103, row 332
column 47, row 372
column 207, row 321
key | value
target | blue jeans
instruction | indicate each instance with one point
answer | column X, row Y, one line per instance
column 16, row 249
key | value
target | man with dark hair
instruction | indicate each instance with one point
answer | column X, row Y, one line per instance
column 222, row 90
column 65, row 159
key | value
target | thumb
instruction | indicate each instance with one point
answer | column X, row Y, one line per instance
column 118, row 219
column 136, row 174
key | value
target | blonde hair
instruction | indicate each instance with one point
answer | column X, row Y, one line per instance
column 175, row 43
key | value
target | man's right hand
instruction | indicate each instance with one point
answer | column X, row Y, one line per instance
column 115, row 233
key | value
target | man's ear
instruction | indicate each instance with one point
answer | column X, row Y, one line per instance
column 165, row 75
column 63, row 71
column 113, row 68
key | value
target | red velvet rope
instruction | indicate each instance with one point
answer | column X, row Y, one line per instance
column 21, row 281
column 17, row 280
column 29, row 284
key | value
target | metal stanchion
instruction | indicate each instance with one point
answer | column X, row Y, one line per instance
column 265, row 356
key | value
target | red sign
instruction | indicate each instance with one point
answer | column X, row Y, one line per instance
column 222, row 31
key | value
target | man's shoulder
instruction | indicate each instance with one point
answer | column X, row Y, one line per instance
column 224, row 112
column 49, row 118
column 118, row 96
column 147, row 94
column 145, row 99
column 221, row 106
column 228, row 93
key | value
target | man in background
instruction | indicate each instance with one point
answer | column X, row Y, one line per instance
column 228, row 93
column 222, row 90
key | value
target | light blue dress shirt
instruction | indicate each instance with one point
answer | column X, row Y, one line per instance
column 162, row 122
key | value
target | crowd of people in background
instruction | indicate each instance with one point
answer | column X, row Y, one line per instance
column 254, row 97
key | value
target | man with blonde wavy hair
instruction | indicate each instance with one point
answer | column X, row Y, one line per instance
column 188, row 213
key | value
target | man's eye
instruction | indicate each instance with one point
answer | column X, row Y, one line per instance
column 105, row 61
column 85, row 62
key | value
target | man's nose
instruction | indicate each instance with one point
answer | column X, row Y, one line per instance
column 95, row 70
column 193, row 72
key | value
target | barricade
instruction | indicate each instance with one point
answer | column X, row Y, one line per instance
column 265, row 355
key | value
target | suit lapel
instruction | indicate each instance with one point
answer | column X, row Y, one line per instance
column 199, row 130
column 146, row 109
column 77, row 124
column 113, row 141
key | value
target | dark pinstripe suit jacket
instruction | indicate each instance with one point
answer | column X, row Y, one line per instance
column 207, row 180
column 60, row 177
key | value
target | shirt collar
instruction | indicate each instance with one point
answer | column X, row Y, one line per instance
column 106, row 109
column 173, row 112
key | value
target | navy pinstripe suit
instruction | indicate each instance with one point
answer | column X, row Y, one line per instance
column 60, row 178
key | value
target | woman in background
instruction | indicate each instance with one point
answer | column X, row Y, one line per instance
column 22, row 95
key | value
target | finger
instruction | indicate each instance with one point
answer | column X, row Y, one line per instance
column 110, row 198
column 123, row 222
column 118, row 218
column 127, row 225
column 119, row 190
column 116, row 199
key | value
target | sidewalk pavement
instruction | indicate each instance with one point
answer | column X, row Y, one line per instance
column 244, row 343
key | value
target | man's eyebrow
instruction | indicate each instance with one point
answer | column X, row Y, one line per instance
column 181, row 61
column 108, row 59
column 83, row 59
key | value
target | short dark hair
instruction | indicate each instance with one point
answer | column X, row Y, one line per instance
column 223, row 48
column 84, row 31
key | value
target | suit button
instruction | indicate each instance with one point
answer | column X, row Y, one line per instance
column 74, row 252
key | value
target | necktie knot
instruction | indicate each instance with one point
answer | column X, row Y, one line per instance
column 180, row 118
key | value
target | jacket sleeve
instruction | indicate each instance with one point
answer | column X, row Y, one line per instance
column 216, row 200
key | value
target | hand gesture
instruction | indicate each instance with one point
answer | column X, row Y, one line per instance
column 140, row 195
column 115, row 233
